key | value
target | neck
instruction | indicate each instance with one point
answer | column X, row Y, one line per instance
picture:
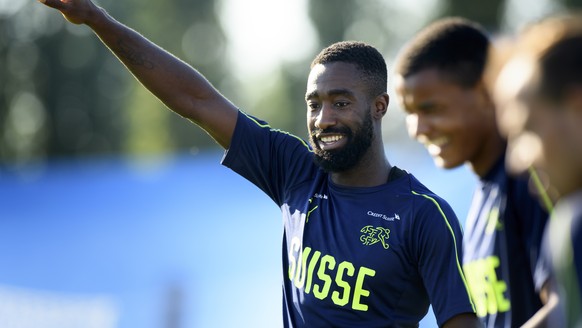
column 488, row 156
column 372, row 170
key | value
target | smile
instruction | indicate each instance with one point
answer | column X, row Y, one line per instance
column 435, row 146
column 331, row 141
column 439, row 142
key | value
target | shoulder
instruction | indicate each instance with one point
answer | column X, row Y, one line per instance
column 422, row 193
column 523, row 189
column 251, row 132
column 526, row 195
column 422, row 201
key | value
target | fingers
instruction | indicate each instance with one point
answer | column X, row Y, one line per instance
column 57, row 4
column 75, row 11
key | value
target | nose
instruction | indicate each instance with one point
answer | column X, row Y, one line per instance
column 325, row 117
column 418, row 127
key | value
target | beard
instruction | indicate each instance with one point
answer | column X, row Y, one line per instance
column 345, row 158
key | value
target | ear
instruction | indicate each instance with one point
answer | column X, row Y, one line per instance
column 572, row 105
column 573, row 98
column 381, row 106
column 483, row 90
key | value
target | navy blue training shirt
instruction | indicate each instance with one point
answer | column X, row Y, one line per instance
column 502, row 241
column 353, row 257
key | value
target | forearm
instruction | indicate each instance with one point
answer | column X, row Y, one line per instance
column 544, row 316
column 177, row 84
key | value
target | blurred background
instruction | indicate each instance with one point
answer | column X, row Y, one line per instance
column 115, row 212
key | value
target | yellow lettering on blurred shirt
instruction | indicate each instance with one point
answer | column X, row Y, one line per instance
column 487, row 291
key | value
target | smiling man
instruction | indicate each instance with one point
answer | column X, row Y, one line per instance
column 342, row 141
column 440, row 81
column 365, row 244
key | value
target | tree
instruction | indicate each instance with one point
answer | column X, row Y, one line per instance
column 488, row 13
column 65, row 95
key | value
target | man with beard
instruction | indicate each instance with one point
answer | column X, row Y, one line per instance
column 365, row 244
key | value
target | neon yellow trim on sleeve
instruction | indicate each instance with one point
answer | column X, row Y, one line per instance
column 459, row 268
column 267, row 126
column 541, row 190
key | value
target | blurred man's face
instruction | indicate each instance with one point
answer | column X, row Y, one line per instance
column 454, row 123
column 515, row 119
column 540, row 132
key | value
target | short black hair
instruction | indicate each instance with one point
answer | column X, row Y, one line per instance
column 561, row 67
column 367, row 59
column 455, row 46
column 554, row 43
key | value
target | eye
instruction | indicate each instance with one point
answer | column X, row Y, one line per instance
column 429, row 108
column 312, row 105
column 341, row 104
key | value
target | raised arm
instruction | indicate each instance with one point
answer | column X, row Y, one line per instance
column 178, row 85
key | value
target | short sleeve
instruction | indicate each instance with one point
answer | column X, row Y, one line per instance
column 271, row 159
column 439, row 250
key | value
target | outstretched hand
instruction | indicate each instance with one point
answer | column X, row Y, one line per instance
column 75, row 11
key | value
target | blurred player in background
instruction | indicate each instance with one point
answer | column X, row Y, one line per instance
column 440, row 82
column 539, row 96
column 365, row 244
